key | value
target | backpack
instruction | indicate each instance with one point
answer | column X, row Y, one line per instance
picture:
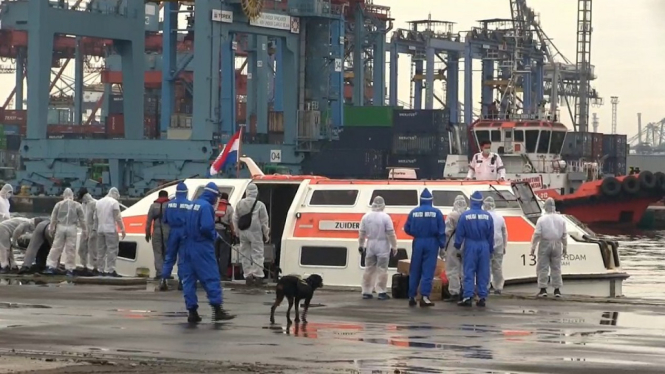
column 245, row 221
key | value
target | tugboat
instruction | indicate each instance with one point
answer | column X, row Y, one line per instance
column 531, row 147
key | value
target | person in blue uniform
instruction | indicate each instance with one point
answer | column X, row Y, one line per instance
column 425, row 224
column 197, row 261
column 175, row 216
column 476, row 231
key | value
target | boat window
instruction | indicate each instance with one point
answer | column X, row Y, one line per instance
column 544, row 141
column 447, row 198
column 496, row 136
column 558, row 138
column 519, row 135
column 505, row 200
column 531, row 140
column 334, row 197
column 392, row 263
column 323, row 256
column 482, row 135
column 127, row 250
column 397, row 197
column 222, row 189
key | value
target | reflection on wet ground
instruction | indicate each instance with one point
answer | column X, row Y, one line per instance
column 343, row 332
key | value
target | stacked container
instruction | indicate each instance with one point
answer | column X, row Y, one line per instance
column 421, row 140
column 578, row 145
column 615, row 147
column 346, row 164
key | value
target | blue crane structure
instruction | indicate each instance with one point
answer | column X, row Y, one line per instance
column 297, row 55
column 504, row 53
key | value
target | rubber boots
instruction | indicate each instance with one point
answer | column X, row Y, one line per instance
column 219, row 314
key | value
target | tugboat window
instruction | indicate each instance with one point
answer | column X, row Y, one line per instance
column 519, row 135
column 482, row 135
column 531, row 140
column 447, row 198
column 496, row 136
column 334, row 197
column 544, row 141
column 323, row 256
column 558, row 138
column 397, row 197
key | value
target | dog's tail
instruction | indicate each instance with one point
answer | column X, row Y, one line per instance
column 279, row 295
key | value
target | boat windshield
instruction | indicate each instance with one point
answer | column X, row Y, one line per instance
column 502, row 199
column 584, row 228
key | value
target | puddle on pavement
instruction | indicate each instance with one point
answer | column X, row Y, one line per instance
column 23, row 306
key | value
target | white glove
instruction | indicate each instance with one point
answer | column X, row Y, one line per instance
column 565, row 252
column 123, row 234
column 394, row 251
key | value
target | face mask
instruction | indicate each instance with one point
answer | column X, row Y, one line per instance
column 486, row 151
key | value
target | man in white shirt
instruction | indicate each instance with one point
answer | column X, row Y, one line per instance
column 486, row 165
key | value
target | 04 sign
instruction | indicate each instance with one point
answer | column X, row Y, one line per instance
column 276, row 156
column 528, row 259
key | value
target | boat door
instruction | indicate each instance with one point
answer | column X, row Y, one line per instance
column 527, row 199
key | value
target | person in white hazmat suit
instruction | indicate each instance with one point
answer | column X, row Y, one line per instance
column 252, row 237
column 377, row 239
column 500, row 244
column 5, row 193
column 451, row 255
column 7, row 228
column 551, row 238
column 66, row 217
column 88, row 253
column 107, row 219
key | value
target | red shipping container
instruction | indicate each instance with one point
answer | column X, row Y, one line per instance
column 62, row 129
column 596, row 145
column 115, row 124
column 23, row 129
column 241, row 112
column 15, row 117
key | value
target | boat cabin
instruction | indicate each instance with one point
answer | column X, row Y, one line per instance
column 314, row 223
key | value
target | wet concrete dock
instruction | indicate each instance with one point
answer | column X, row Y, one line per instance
column 64, row 328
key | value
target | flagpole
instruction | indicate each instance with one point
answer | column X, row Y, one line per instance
column 239, row 151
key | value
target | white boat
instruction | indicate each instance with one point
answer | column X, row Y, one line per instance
column 314, row 223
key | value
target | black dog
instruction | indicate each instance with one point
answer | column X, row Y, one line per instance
column 292, row 287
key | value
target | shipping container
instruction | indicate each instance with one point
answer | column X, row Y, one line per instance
column 596, row 145
column 346, row 163
column 615, row 166
column 615, row 145
column 413, row 144
column 427, row 166
column 241, row 112
column 368, row 116
column 13, row 142
column 275, row 121
column 11, row 129
column 14, row 117
column 115, row 124
column 421, row 121
column 116, row 105
column 578, row 145
column 379, row 138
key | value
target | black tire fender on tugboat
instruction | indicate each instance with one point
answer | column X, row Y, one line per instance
column 610, row 187
column 659, row 176
column 647, row 180
column 630, row 185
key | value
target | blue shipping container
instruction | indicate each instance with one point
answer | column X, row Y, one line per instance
column 11, row 129
column 578, row 144
column 379, row 138
column 346, row 163
column 427, row 166
column 421, row 121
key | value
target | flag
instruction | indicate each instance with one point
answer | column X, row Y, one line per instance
column 228, row 156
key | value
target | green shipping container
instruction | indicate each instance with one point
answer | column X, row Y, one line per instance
column 368, row 116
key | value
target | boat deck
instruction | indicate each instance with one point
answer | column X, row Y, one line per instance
column 114, row 328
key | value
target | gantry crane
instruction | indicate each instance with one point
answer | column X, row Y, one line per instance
column 563, row 78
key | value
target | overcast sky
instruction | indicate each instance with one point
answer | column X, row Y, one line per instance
column 627, row 48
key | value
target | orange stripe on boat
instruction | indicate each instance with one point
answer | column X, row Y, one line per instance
column 307, row 226
column 135, row 224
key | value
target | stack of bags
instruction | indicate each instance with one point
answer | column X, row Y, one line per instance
column 400, row 284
